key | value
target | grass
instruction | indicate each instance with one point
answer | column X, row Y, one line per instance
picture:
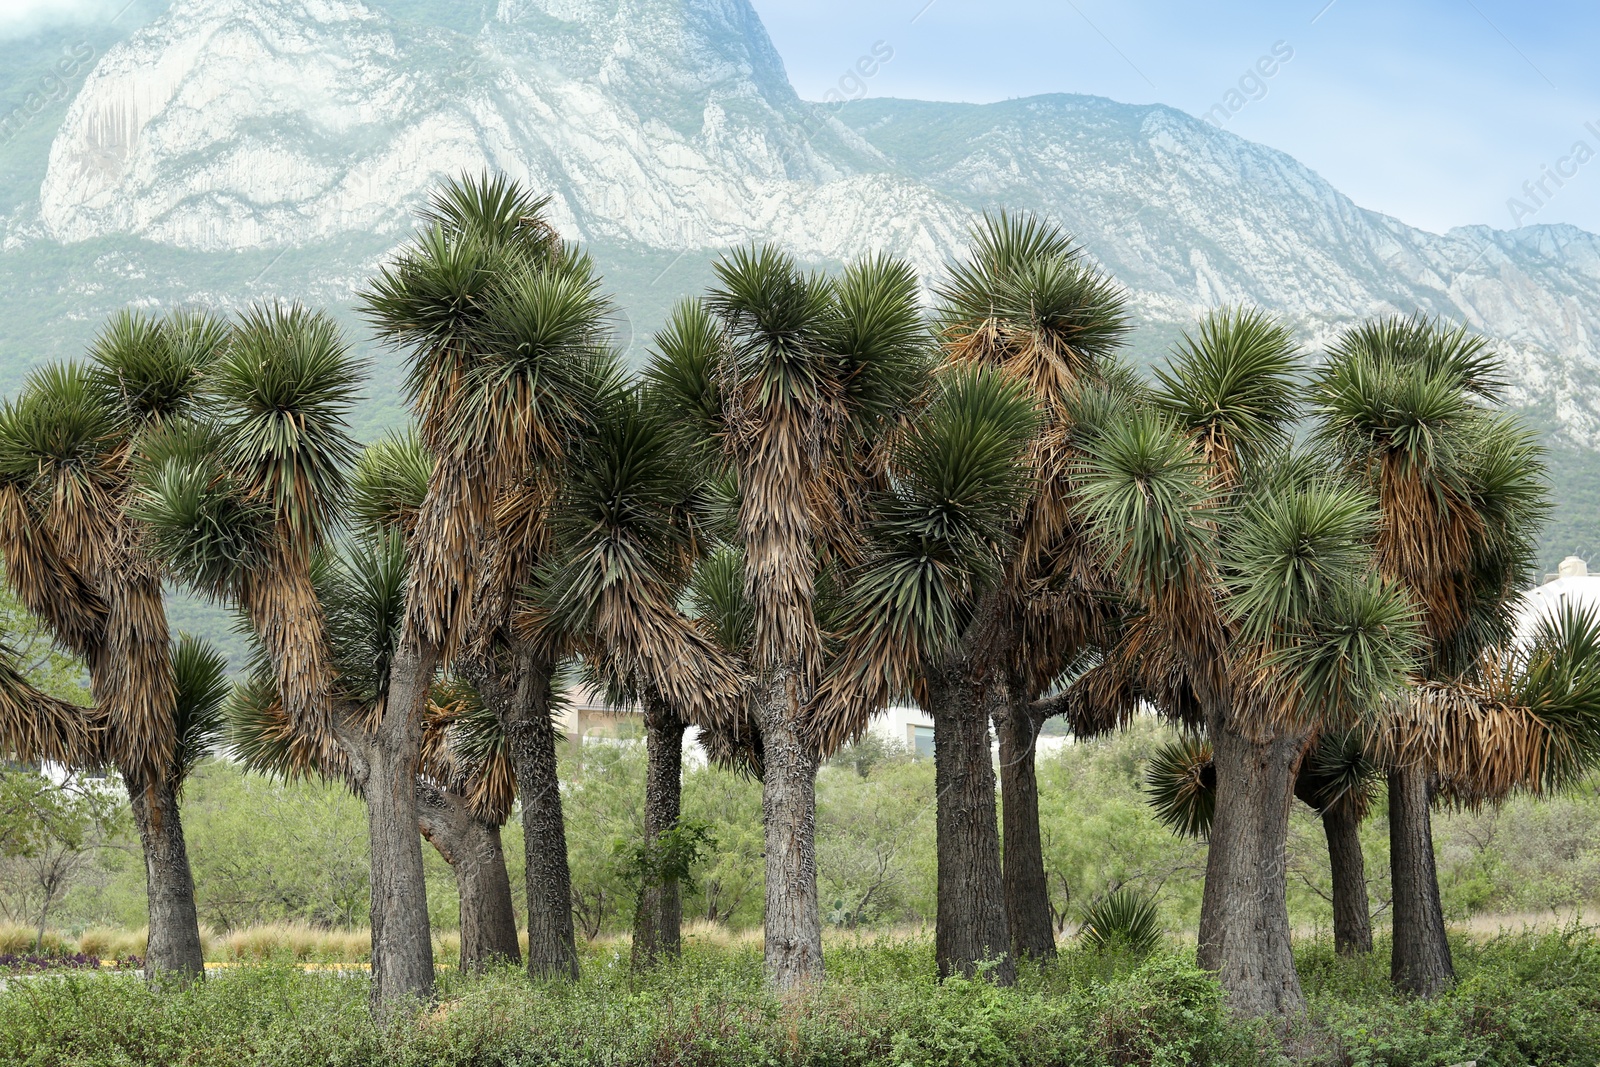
column 1524, row 999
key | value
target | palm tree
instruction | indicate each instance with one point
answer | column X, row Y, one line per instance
column 1255, row 609
column 78, row 557
column 505, row 329
column 800, row 377
column 1400, row 405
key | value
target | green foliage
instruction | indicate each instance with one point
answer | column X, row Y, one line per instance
column 50, row 833
column 1125, row 921
column 671, row 857
column 1234, row 385
column 881, row 1006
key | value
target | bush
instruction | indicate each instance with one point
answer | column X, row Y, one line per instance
column 1522, row 1000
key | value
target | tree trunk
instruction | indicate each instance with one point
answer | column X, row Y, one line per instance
column 1352, row 917
column 402, row 942
column 472, row 848
column 1421, row 963
column 793, row 919
column 658, row 918
column 1244, row 915
column 531, row 741
column 174, row 954
column 1027, row 894
column 970, row 927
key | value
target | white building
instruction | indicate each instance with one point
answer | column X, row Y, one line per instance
column 1571, row 584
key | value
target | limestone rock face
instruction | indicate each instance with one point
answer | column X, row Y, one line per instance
column 668, row 127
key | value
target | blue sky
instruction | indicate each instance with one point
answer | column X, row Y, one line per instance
column 1435, row 111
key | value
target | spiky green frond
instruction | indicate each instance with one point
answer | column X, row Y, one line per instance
column 716, row 595
column 1559, row 681
column 881, row 340
column 363, row 589
column 1361, row 647
column 777, row 316
column 389, row 482
column 1003, row 246
column 494, row 208
column 544, row 361
column 1028, row 299
column 1181, row 782
column 1372, row 410
column 1125, row 920
column 200, row 688
column 153, row 368
column 60, row 437
column 284, row 390
column 614, row 519
column 1234, row 385
column 1149, row 502
column 1447, row 352
column 681, row 376
column 1338, row 771
column 207, row 532
column 1289, row 548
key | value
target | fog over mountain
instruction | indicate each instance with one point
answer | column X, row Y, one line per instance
column 233, row 150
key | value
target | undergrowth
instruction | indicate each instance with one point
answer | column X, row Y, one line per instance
column 1522, row 1000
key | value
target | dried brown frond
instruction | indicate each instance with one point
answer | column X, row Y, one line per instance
column 45, row 582
column 445, row 550
column 282, row 605
column 36, row 726
column 1479, row 745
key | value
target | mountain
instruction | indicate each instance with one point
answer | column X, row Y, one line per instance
column 225, row 151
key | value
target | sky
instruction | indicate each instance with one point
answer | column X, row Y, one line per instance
column 1434, row 111
column 1442, row 113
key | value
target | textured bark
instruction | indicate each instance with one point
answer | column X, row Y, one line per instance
column 1027, row 893
column 658, row 917
column 522, row 699
column 1421, row 963
column 970, row 926
column 1352, row 916
column 793, row 919
column 1244, row 916
column 174, row 954
column 472, row 848
column 402, row 943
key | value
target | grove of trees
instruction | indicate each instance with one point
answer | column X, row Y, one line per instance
column 823, row 493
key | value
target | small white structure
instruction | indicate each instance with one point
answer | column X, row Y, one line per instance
column 907, row 725
column 1571, row 584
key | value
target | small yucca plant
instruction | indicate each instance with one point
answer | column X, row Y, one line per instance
column 1126, row 920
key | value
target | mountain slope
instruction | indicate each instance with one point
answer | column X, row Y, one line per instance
column 236, row 150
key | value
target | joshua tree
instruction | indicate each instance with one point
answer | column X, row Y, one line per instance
column 1400, row 406
column 78, row 556
column 623, row 540
column 1254, row 609
column 1029, row 303
column 800, row 378
column 505, row 329
column 464, row 786
column 241, row 505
